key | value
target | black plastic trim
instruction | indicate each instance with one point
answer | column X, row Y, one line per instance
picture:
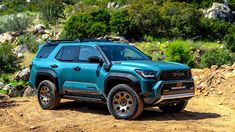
column 48, row 73
column 123, row 77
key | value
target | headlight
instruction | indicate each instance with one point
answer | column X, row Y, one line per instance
column 146, row 74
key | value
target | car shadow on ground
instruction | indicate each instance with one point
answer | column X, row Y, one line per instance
column 147, row 115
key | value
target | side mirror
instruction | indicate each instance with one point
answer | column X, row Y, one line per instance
column 95, row 59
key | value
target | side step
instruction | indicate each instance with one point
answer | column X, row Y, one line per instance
column 85, row 99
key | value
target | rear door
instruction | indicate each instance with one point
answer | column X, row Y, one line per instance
column 67, row 59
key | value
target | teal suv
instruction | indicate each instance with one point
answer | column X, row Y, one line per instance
column 117, row 74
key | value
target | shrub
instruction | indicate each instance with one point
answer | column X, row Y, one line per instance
column 214, row 29
column 30, row 42
column 16, row 22
column 180, row 19
column 120, row 23
column 216, row 57
column 52, row 10
column 7, row 58
column 87, row 25
column 178, row 51
column 230, row 41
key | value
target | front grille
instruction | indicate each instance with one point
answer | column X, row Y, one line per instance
column 175, row 75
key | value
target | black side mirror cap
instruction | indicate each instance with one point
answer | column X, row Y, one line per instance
column 95, row 59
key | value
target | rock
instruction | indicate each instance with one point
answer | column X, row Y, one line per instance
column 16, row 91
column 229, row 75
column 233, row 66
column 30, row 92
column 23, row 75
column 214, row 67
column 20, row 55
column 1, row 85
column 3, row 7
column 219, row 93
column 45, row 37
column 4, row 98
column 38, row 28
column 20, row 49
column 6, row 37
column 119, row 39
column 8, row 87
column 219, row 11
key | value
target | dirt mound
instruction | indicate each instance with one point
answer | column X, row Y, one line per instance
column 216, row 82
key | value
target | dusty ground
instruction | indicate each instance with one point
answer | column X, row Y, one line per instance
column 201, row 114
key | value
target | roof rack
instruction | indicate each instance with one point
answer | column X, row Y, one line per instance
column 76, row 41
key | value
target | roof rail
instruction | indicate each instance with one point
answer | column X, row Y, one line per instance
column 76, row 41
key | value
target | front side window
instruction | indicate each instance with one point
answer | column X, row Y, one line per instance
column 87, row 52
column 68, row 53
column 122, row 52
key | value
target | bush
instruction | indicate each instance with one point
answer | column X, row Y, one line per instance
column 7, row 58
column 230, row 41
column 52, row 10
column 180, row 19
column 214, row 29
column 216, row 57
column 30, row 42
column 87, row 25
column 120, row 23
column 178, row 51
column 16, row 22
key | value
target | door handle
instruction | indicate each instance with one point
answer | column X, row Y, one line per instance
column 54, row 66
column 77, row 68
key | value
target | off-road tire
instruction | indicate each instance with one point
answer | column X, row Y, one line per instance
column 136, row 108
column 177, row 107
column 53, row 94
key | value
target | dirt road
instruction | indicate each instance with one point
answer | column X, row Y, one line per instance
column 201, row 114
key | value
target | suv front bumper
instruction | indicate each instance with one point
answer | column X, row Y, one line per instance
column 166, row 91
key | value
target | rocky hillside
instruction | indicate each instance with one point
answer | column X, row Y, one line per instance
column 218, row 82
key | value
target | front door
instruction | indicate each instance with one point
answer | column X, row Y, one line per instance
column 88, row 74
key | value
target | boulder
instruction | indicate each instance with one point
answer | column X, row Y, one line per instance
column 4, row 98
column 39, row 28
column 119, row 39
column 219, row 11
column 45, row 37
column 1, row 85
column 3, row 7
column 20, row 49
column 8, row 87
column 6, row 37
column 23, row 75
column 16, row 91
column 30, row 92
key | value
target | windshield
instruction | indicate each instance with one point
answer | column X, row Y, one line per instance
column 123, row 52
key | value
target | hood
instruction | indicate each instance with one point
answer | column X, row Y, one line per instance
column 152, row 65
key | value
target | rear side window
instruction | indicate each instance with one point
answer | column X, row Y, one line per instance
column 45, row 51
column 68, row 53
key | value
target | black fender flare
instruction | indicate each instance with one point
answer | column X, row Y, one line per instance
column 49, row 73
column 134, row 81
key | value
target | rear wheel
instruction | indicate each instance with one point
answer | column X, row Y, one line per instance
column 48, row 96
column 124, row 102
column 175, row 107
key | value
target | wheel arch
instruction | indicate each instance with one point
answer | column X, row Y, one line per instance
column 46, row 75
column 114, row 79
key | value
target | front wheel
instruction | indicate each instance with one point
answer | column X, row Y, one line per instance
column 175, row 107
column 124, row 102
